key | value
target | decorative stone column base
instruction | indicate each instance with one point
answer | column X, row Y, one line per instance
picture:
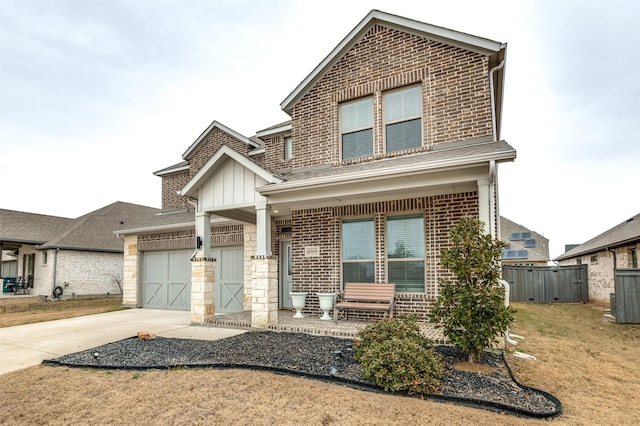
column 264, row 297
column 203, row 297
column 130, row 273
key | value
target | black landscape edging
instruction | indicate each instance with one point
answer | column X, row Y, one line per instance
column 468, row 402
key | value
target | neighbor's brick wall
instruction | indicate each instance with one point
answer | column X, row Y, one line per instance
column 88, row 273
column 455, row 89
column 601, row 272
column 322, row 227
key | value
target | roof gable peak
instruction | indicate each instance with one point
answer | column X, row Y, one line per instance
column 466, row 41
column 222, row 127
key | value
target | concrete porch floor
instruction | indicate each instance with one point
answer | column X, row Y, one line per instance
column 312, row 325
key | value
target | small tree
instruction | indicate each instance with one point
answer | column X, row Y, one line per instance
column 471, row 310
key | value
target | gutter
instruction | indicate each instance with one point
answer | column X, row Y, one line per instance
column 381, row 173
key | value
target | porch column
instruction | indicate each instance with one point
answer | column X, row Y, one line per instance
column 263, row 225
column 130, row 289
column 203, row 230
column 203, row 298
column 484, row 210
column 264, row 295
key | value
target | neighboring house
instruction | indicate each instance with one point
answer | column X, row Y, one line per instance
column 616, row 248
column 393, row 138
column 524, row 246
column 81, row 255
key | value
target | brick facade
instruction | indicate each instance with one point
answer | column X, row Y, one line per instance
column 455, row 91
column 322, row 227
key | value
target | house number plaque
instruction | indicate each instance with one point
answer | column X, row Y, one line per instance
column 312, row 251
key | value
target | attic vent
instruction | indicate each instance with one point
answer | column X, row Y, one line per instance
column 630, row 219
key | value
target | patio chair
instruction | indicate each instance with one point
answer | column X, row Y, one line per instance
column 23, row 284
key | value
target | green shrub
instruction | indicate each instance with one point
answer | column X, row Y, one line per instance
column 402, row 364
column 403, row 327
column 471, row 309
column 394, row 355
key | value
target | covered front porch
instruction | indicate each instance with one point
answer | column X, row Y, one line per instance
column 312, row 325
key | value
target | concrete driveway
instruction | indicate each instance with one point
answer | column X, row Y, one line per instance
column 22, row 346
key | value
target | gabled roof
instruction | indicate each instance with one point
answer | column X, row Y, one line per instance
column 218, row 158
column 225, row 129
column 621, row 234
column 466, row 41
column 30, row 228
column 91, row 232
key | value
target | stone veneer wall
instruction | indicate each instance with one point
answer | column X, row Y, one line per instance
column 130, row 273
column 322, row 227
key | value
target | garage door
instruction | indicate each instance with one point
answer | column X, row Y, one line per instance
column 229, row 279
column 166, row 280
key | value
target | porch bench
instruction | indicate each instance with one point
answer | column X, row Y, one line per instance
column 366, row 297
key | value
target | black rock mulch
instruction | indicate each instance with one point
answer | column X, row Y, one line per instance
column 319, row 357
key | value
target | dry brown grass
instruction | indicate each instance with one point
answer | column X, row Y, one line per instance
column 591, row 365
column 27, row 310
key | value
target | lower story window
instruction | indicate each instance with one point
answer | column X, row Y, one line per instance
column 405, row 253
column 358, row 243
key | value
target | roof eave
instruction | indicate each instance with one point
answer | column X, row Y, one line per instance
column 216, row 124
column 467, row 41
column 503, row 156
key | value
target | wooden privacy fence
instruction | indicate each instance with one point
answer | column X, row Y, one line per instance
column 547, row 284
column 625, row 302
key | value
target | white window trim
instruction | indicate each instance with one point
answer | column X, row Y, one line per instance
column 385, row 123
column 341, row 133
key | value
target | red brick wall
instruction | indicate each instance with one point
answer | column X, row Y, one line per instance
column 322, row 227
column 198, row 158
column 455, row 91
column 172, row 183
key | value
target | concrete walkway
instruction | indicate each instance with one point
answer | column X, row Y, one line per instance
column 22, row 346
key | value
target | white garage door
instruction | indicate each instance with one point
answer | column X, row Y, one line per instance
column 166, row 280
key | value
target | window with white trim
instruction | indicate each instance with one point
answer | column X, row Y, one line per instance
column 405, row 253
column 403, row 118
column 358, row 247
column 288, row 148
column 356, row 128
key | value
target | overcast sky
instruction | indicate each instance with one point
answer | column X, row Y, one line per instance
column 96, row 95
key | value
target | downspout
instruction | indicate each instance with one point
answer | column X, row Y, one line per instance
column 492, row 198
column 493, row 100
column 194, row 203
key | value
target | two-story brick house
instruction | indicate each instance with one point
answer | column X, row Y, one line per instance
column 393, row 137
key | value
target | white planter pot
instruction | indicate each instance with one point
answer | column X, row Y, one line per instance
column 326, row 304
column 298, row 300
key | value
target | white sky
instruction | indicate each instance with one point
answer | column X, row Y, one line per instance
column 96, row 95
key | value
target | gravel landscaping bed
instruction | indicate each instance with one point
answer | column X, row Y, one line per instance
column 320, row 357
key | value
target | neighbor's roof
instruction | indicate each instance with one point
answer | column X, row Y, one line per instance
column 624, row 233
column 94, row 231
column 30, row 228
column 455, row 38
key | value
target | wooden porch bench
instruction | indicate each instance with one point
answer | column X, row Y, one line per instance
column 366, row 297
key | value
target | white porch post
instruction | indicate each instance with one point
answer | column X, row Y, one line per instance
column 484, row 208
column 203, row 230
column 263, row 224
column 264, row 273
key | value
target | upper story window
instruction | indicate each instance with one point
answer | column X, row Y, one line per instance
column 356, row 128
column 402, row 118
column 288, row 148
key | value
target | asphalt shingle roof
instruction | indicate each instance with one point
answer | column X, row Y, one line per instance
column 93, row 231
column 625, row 232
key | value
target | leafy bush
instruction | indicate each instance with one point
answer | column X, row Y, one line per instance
column 403, row 327
column 394, row 355
column 471, row 310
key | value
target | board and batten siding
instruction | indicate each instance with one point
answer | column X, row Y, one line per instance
column 232, row 185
